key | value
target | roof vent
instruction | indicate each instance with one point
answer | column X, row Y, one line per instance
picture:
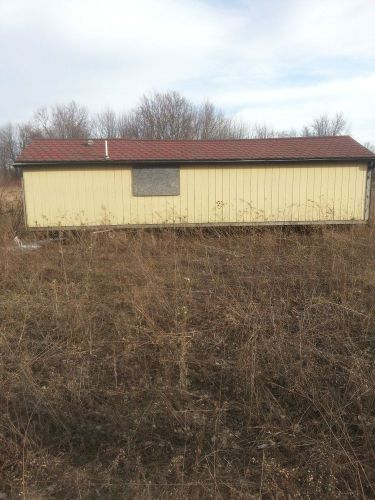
column 90, row 142
column 106, row 154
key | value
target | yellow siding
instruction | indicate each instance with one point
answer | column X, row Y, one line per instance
column 95, row 196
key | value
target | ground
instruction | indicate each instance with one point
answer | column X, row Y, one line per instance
column 231, row 363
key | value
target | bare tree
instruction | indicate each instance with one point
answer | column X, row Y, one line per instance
column 326, row 126
column 63, row 121
column 70, row 121
column 41, row 123
column 8, row 149
column 369, row 145
column 106, row 124
column 169, row 115
column 263, row 131
column 13, row 138
column 127, row 126
column 160, row 116
column 26, row 132
column 211, row 123
column 321, row 126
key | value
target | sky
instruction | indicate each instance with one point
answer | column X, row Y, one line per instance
column 274, row 62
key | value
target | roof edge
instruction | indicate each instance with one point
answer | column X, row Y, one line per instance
column 20, row 164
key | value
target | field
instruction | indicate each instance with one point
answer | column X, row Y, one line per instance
column 237, row 363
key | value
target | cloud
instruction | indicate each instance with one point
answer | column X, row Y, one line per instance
column 293, row 106
column 282, row 61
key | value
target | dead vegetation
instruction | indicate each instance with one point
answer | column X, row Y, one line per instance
column 198, row 364
column 11, row 213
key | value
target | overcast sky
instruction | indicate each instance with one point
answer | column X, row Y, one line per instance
column 279, row 62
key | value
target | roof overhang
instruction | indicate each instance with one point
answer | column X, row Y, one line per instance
column 74, row 163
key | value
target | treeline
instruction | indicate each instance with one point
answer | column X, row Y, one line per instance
column 166, row 115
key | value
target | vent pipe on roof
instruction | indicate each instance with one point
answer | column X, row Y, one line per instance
column 106, row 155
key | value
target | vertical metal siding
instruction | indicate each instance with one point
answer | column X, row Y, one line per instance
column 229, row 194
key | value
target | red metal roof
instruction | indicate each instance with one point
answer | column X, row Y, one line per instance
column 131, row 150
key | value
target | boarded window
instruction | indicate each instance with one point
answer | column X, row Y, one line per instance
column 156, row 181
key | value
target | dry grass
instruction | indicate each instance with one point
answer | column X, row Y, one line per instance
column 199, row 364
column 9, row 191
column 11, row 214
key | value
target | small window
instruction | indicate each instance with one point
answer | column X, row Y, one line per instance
column 156, row 181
